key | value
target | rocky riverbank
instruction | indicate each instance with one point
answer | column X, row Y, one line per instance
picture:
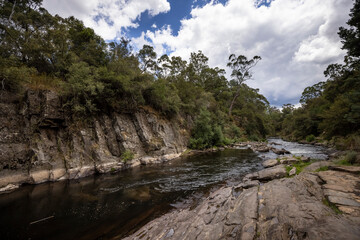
column 40, row 142
column 270, row 205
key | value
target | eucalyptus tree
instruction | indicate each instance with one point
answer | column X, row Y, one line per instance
column 241, row 72
column 147, row 58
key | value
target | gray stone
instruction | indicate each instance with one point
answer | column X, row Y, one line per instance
column 343, row 201
column 350, row 169
column 289, row 160
column 280, row 151
column 270, row 163
column 289, row 208
column 268, row 174
column 292, row 171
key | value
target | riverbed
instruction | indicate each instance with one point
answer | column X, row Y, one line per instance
column 114, row 205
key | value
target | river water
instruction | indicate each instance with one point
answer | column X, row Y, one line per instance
column 112, row 205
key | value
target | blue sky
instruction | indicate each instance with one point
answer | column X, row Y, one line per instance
column 296, row 39
column 180, row 9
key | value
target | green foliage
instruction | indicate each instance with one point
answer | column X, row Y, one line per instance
column 321, row 169
column 241, row 72
column 288, row 169
column 162, row 95
column 206, row 133
column 331, row 109
column 350, row 36
column 218, row 137
column 310, row 138
column 312, row 92
column 127, row 156
column 202, row 132
column 350, row 157
column 42, row 51
column 82, row 88
column 233, row 132
column 350, row 142
column 331, row 205
column 14, row 77
column 299, row 166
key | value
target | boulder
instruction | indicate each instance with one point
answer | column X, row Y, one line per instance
column 280, row 151
column 270, row 163
column 292, row 171
column 263, row 149
column 268, row 174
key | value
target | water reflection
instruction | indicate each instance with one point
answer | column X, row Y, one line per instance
column 107, row 206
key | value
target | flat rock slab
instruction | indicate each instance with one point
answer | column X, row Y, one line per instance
column 344, row 201
column 270, row 163
column 343, row 190
column 350, row 169
column 246, row 185
column 268, row 174
column 316, row 165
column 288, row 208
column 292, row 160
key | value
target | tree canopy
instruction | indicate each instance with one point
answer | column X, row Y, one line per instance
column 41, row 51
column 331, row 109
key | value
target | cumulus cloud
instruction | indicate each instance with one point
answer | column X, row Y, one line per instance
column 107, row 17
column 296, row 39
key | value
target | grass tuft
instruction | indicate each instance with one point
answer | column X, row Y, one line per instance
column 326, row 202
column 320, row 169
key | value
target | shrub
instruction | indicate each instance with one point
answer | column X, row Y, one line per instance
column 163, row 96
column 82, row 89
column 350, row 157
column 127, row 155
column 233, row 131
column 218, row 136
column 310, row 138
column 202, row 132
column 320, row 169
column 205, row 133
column 13, row 77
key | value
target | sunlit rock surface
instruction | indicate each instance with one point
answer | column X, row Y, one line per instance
column 306, row 206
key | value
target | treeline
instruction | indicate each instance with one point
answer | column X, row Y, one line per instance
column 42, row 51
column 330, row 110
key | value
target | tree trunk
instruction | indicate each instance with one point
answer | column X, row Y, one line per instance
column 12, row 11
column 233, row 101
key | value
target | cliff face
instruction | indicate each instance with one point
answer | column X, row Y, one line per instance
column 38, row 144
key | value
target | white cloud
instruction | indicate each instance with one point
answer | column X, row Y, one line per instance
column 296, row 39
column 107, row 17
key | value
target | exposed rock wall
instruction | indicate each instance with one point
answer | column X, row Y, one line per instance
column 38, row 143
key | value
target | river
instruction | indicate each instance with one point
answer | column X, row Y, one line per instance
column 111, row 206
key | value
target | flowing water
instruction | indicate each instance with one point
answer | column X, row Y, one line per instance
column 113, row 205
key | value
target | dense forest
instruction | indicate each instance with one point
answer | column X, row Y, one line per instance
column 330, row 110
column 41, row 51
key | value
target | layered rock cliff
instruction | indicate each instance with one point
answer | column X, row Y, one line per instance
column 39, row 142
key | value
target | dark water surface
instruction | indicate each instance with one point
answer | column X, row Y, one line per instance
column 111, row 206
